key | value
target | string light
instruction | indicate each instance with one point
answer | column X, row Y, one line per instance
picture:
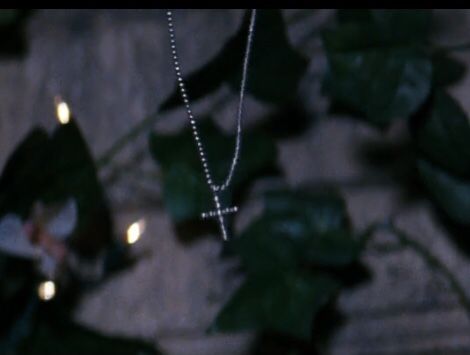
column 46, row 290
column 134, row 231
column 62, row 111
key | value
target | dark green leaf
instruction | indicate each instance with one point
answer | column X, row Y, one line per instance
column 443, row 136
column 22, row 178
column 185, row 191
column 12, row 31
column 72, row 339
column 275, row 68
column 73, row 172
column 391, row 25
column 323, row 211
column 286, row 303
column 262, row 248
column 377, row 68
column 17, row 280
column 335, row 248
column 297, row 228
column 8, row 16
column 446, row 70
column 52, row 169
column 353, row 15
column 451, row 193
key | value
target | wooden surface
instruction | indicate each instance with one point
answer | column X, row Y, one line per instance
column 113, row 68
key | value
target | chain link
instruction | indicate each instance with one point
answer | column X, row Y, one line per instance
column 184, row 94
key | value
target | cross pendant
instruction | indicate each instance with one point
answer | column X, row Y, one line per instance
column 219, row 213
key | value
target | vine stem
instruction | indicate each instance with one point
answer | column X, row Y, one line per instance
column 128, row 137
column 433, row 261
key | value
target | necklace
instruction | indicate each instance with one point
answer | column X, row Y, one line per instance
column 219, row 212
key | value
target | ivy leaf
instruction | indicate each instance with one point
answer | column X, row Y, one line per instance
column 72, row 339
column 73, row 172
column 446, row 70
column 53, row 169
column 286, row 303
column 451, row 193
column 377, row 68
column 335, row 249
column 443, row 135
column 12, row 31
column 21, row 180
column 275, row 67
column 299, row 233
column 185, row 191
column 393, row 25
column 8, row 16
column 297, row 228
column 16, row 286
column 323, row 211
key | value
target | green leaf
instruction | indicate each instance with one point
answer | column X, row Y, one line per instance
column 286, row 303
column 392, row 25
column 323, row 211
column 185, row 191
column 13, row 32
column 21, row 180
column 274, row 71
column 446, row 70
column 71, row 339
column 73, row 172
column 52, row 169
column 8, row 16
column 378, row 69
column 335, row 248
column 297, row 228
column 263, row 249
column 17, row 285
column 451, row 193
column 443, row 136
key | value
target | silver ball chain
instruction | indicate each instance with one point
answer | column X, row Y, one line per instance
column 184, row 94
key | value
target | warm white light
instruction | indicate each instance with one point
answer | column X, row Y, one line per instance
column 63, row 111
column 46, row 290
column 134, row 231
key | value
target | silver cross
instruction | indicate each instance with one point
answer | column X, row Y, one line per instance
column 219, row 214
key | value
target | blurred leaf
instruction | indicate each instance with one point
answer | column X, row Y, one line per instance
column 185, row 191
column 17, row 281
column 443, row 136
column 53, row 169
column 377, row 68
column 323, row 211
column 186, row 194
column 446, row 70
column 274, row 71
column 21, row 181
column 392, row 25
column 451, row 193
column 297, row 228
column 285, row 303
column 73, row 173
column 8, row 16
column 335, row 248
column 12, row 31
column 71, row 339
column 294, row 254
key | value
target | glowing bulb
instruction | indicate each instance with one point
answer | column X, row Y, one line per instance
column 46, row 290
column 62, row 110
column 134, row 231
